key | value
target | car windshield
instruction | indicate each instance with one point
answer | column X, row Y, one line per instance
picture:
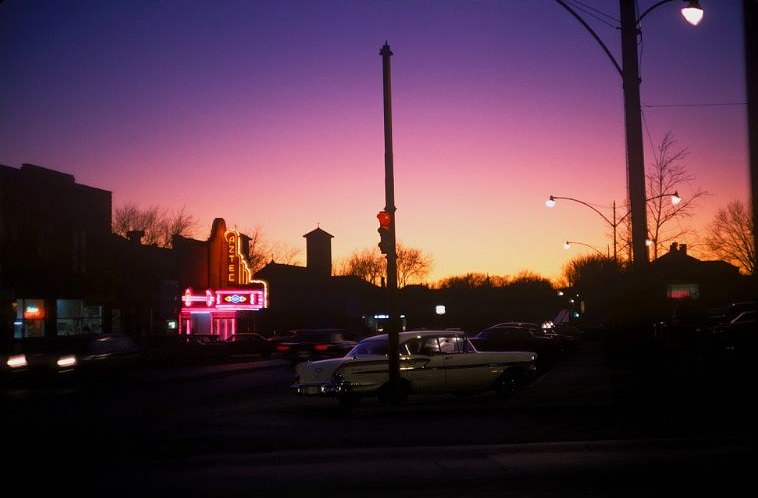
column 415, row 345
column 377, row 346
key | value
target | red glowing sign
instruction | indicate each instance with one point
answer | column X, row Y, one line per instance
column 34, row 313
column 683, row 291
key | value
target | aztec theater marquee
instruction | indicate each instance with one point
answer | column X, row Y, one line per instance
column 223, row 297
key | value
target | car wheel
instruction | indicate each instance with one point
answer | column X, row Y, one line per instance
column 507, row 384
column 349, row 400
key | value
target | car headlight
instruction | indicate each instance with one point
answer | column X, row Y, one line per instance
column 16, row 361
column 66, row 361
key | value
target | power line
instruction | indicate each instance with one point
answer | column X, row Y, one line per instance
column 595, row 13
column 704, row 104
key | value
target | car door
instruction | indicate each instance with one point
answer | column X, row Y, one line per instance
column 464, row 369
column 423, row 365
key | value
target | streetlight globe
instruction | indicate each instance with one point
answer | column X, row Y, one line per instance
column 550, row 202
column 648, row 242
column 567, row 245
column 675, row 199
column 693, row 12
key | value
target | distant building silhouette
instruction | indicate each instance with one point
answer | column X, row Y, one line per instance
column 685, row 278
column 319, row 252
column 311, row 297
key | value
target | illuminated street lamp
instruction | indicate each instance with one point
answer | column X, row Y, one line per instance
column 613, row 222
column 630, row 32
column 693, row 12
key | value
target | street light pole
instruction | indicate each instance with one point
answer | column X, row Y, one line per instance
column 633, row 120
column 630, row 75
column 615, row 221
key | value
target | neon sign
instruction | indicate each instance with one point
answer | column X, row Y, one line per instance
column 241, row 299
column 32, row 312
column 231, row 256
column 236, row 268
column 683, row 291
column 252, row 298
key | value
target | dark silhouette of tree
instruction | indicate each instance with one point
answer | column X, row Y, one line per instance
column 367, row 264
column 669, row 175
column 261, row 251
column 370, row 265
column 730, row 236
column 595, row 281
column 412, row 265
column 472, row 281
column 159, row 226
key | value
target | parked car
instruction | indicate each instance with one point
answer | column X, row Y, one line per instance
column 431, row 362
column 737, row 336
column 88, row 357
column 314, row 344
column 521, row 336
column 249, row 343
column 182, row 349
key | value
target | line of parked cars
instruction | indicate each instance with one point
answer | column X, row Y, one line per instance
column 97, row 356
column 725, row 334
column 549, row 344
column 85, row 357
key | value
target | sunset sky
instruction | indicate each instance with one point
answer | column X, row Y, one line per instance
column 269, row 114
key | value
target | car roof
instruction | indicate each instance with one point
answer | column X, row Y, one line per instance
column 419, row 333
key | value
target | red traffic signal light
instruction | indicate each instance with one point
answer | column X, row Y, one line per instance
column 385, row 220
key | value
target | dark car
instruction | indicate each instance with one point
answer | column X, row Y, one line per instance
column 89, row 357
column 737, row 336
column 314, row 344
column 182, row 349
column 249, row 343
column 521, row 336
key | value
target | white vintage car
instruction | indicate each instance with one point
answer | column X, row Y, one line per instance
column 431, row 362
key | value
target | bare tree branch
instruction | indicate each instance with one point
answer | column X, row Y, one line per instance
column 730, row 236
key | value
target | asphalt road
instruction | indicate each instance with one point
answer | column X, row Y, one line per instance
column 611, row 419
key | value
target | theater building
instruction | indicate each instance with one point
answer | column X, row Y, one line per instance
column 220, row 296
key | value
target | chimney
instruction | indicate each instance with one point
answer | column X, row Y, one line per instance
column 683, row 249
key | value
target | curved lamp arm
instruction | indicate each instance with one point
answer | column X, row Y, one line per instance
column 567, row 245
column 594, row 35
column 551, row 202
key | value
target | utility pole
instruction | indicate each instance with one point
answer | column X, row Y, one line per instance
column 750, row 14
column 633, row 121
column 393, row 329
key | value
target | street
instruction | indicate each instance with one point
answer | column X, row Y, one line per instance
column 237, row 428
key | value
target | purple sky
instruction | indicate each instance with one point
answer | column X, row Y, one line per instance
column 269, row 114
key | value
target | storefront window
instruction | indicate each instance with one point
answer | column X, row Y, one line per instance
column 69, row 316
column 30, row 318
column 76, row 317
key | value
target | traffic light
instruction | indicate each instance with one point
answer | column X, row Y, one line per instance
column 385, row 222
